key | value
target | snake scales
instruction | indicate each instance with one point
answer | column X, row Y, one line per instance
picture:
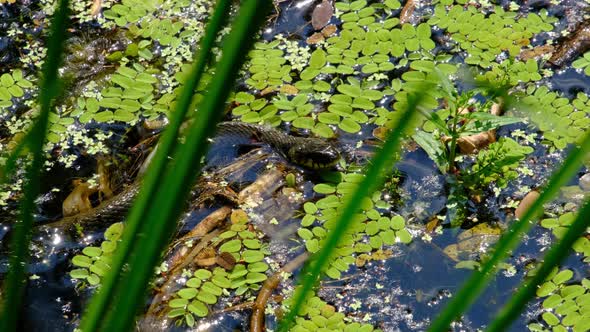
column 311, row 153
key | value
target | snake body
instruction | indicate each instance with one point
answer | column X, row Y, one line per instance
column 311, row 153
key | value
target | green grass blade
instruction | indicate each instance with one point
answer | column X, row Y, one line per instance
column 160, row 221
column 558, row 252
column 99, row 304
column 15, row 280
column 380, row 164
column 479, row 279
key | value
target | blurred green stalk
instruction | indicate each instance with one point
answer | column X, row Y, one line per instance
column 116, row 310
column 379, row 167
column 34, row 140
column 510, row 240
column 527, row 290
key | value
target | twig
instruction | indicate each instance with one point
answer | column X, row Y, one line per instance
column 257, row 318
column 405, row 16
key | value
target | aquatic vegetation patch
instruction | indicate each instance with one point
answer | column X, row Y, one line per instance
column 559, row 226
column 513, row 72
column 204, row 287
column 317, row 315
column 497, row 164
column 583, row 63
column 485, row 37
column 132, row 92
column 562, row 121
column 94, row 262
column 254, row 110
column 268, row 68
column 566, row 304
column 372, row 231
column 12, row 85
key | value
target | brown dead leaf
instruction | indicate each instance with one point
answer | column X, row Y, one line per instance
column 432, row 225
column 322, row 14
column 96, row 7
column 268, row 90
column 104, row 184
column 536, row 52
column 289, row 89
column 206, row 261
column 472, row 241
column 496, row 109
column 329, row 30
column 315, row 38
column 405, row 16
column 226, row 260
column 380, row 133
column 238, row 217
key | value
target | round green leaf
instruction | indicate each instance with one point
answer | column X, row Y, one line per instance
column 231, row 246
column 207, row 297
column 251, row 256
column 349, row 126
column 198, row 308
column 187, row 293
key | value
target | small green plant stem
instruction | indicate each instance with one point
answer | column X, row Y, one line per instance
column 35, row 139
column 374, row 177
column 511, row 238
column 454, row 137
column 558, row 252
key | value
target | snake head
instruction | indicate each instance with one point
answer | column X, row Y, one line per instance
column 314, row 154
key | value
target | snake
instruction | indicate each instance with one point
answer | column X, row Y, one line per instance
column 308, row 152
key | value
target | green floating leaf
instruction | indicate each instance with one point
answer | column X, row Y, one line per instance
column 251, row 256
column 81, row 261
column 206, row 297
column 187, row 293
column 324, row 188
column 349, row 126
column 198, row 308
column 231, row 246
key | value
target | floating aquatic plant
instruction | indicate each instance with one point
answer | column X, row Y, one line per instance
column 583, row 63
column 484, row 37
column 317, row 315
column 566, row 304
column 560, row 225
column 94, row 262
column 204, row 287
column 12, row 85
column 562, row 121
column 372, row 229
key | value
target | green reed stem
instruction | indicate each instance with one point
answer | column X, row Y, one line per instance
column 511, row 238
column 99, row 304
column 166, row 206
column 528, row 289
column 34, row 140
column 379, row 166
